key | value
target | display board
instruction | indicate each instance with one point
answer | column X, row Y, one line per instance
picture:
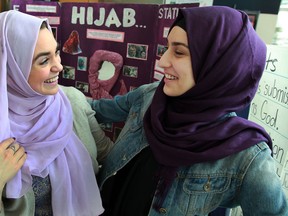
column 107, row 49
column 127, row 38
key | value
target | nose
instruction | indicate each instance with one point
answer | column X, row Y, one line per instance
column 164, row 60
column 57, row 66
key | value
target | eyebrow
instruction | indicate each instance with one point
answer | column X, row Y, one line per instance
column 179, row 44
column 45, row 53
column 40, row 55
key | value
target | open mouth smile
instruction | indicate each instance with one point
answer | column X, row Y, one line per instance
column 170, row 77
column 52, row 80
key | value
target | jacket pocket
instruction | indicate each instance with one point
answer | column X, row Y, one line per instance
column 199, row 195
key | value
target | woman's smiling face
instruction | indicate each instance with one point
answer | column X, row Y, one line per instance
column 177, row 65
column 46, row 64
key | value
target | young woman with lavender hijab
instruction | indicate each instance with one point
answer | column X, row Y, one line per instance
column 183, row 150
column 49, row 167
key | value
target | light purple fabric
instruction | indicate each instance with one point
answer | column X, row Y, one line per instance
column 43, row 125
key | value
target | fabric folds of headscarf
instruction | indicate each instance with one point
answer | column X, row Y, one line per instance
column 228, row 59
column 43, row 125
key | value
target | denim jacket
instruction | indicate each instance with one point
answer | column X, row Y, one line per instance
column 247, row 179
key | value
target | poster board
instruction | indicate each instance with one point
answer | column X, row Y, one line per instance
column 107, row 49
column 269, row 108
column 42, row 9
column 127, row 30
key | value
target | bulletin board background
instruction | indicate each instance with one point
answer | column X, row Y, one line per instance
column 92, row 33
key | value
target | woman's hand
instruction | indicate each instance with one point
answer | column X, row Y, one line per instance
column 12, row 158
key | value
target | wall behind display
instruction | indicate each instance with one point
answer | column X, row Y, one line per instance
column 267, row 18
column 281, row 32
column 267, row 6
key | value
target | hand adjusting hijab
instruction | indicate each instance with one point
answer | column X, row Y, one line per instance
column 42, row 124
column 228, row 59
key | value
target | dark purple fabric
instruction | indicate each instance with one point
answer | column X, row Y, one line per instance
column 228, row 59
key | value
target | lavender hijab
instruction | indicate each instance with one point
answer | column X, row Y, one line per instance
column 228, row 59
column 42, row 124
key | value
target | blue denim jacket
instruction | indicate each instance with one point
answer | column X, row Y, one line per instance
column 247, row 178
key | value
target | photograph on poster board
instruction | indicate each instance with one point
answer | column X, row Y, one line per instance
column 68, row 72
column 161, row 49
column 137, row 51
column 130, row 71
column 82, row 86
column 82, row 63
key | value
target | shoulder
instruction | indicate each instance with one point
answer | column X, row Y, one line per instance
column 260, row 160
column 261, row 178
column 252, row 157
column 255, row 165
column 71, row 91
column 73, row 94
column 143, row 92
column 78, row 100
column 151, row 87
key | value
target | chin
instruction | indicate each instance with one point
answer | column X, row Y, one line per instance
column 55, row 91
column 168, row 91
column 51, row 91
column 171, row 92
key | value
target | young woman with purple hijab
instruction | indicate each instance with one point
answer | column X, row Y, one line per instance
column 183, row 150
column 49, row 167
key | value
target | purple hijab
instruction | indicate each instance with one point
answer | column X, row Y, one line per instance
column 228, row 59
column 42, row 124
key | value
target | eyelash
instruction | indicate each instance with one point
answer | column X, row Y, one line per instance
column 46, row 59
column 178, row 53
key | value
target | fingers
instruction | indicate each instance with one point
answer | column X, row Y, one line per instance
column 20, row 152
column 11, row 163
column 6, row 143
column 11, row 148
column 12, row 158
column 16, row 151
column 14, row 146
column 22, row 159
column 19, row 157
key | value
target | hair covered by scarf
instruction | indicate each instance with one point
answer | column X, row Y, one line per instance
column 42, row 124
column 228, row 59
